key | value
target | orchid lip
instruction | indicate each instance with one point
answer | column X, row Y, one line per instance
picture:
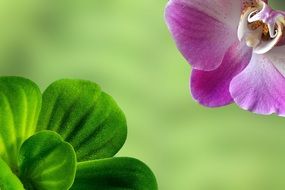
column 261, row 27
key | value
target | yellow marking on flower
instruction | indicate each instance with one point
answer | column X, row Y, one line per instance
column 248, row 4
column 282, row 20
column 265, row 29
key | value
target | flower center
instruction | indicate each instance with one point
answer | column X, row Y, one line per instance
column 261, row 27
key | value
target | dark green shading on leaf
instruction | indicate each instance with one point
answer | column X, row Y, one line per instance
column 114, row 174
column 20, row 102
column 84, row 116
column 8, row 180
column 46, row 162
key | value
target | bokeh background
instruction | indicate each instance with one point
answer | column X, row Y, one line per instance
column 124, row 46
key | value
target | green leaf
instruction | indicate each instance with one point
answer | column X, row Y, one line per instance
column 8, row 180
column 84, row 116
column 47, row 162
column 114, row 174
column 20, row 101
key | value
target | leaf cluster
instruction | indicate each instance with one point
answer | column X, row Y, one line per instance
column 65, row 138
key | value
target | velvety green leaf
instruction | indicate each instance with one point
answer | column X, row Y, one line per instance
column 46, row 162
column 8, row 180
column 114, row 174
column 84, row 116
column 20, row 101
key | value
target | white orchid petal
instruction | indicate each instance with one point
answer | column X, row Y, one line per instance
column 243, row 25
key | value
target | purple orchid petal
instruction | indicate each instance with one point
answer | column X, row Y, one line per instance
column 211, row 88
column 203, row 30
column 260, row 87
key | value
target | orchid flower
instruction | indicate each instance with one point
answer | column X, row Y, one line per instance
column 236, row 49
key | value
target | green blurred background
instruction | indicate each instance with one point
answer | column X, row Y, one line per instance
column 124, row 46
